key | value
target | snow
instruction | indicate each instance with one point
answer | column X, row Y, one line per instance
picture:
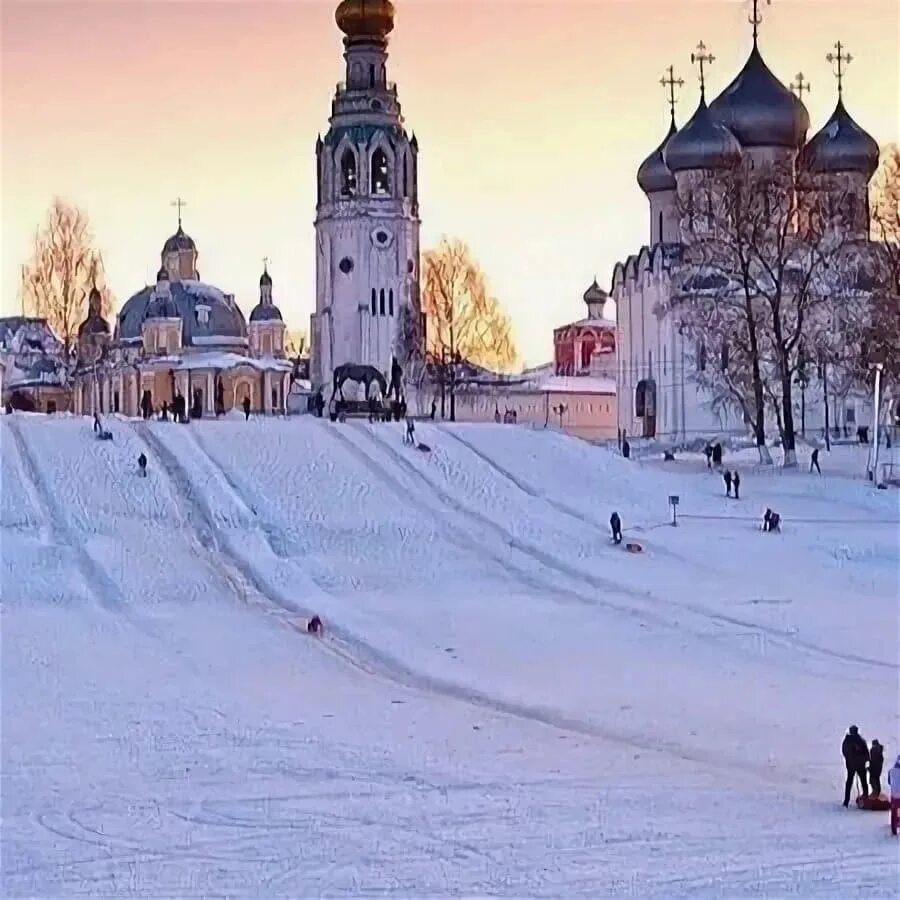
column 576, row 384
column 503, row 703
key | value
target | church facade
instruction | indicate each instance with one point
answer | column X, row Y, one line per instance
column 367, row 210
column 182, row 338
column 758, row 121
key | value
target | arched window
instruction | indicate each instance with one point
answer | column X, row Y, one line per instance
column 381, row 303
column 661, row 227
column 348, row 173
column 374, row 302
column 381, row 180
column 405, row 175
column 391, row 302
column 371, row 76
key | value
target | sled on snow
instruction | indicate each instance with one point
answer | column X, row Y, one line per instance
column 634, row 547
column 874, row 802
column 424, row 448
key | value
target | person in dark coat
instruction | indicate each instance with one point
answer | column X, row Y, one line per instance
column 433, row 409
column 876, row 764
column 727, row 479
column 615, row 525
column 626, row 449
column 856, row 755
column 814, row 461
column 717, row 454
column 314, row 626
column 707, row 452
column 736, row 481
column 246, row 406
column 142, row 465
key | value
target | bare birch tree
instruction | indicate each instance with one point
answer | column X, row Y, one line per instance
column 771, row 239
column 64, row 267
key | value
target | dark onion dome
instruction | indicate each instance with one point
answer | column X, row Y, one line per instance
column 265, row 312
column 841, row 146
column 701, row 144
column 93, row 325
column 162, row 274
column 759, row 110
column 365, row 19
column 179, row 241
column 595, row 294
column 265, row 280
column 654, row 175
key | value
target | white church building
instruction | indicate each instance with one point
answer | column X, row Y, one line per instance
column 367, row 209
column 756, row 117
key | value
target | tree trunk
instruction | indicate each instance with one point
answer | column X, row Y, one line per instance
column 759, row 401
column 788, row 437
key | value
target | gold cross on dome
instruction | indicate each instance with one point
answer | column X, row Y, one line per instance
column 671, row 82
column 800, row 87
column 702, row 59
column 178, row 202
column 842, row 59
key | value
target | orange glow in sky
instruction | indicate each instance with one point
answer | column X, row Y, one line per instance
column 532, row 119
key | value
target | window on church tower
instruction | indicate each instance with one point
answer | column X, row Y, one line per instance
column 348, row 174
column 371, row 76
column 405, row 175
column 374, row 302
column 381, row 182
column 381, row 303
column 391, row 302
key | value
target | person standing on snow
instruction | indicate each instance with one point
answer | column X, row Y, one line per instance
column 736, row 481
column 615, row 525
column 876, row 764
column 894, row 783
column 727, row 479
column 814, row 462
column 856, row 755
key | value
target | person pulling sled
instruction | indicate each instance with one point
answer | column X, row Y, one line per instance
column 615, row 526
column 856, row 755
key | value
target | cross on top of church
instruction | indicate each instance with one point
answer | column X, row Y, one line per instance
column 842, row 59
column 702, row 59
column 671, row 82
column 800, row 87
column 265, row 264
column 178, row 202
column 756, row 19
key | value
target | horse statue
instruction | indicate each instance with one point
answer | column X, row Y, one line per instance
column 366, row 375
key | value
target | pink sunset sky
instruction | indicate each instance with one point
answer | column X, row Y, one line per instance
column 532, row 119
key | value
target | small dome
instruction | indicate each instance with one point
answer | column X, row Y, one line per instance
column 759, row 110
column 265, row 312
column 701, row 144
column 654, row 175
column 841, row 146
column 365, row 19
column 595, row 294
column 94, row 325
column 162, row 274
column 179, row 242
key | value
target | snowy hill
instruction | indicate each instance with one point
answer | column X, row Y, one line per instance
column 503, row 701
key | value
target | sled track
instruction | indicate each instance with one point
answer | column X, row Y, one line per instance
column 577, row 574
column 374, row 663
column 100, row 586
column 563, row 508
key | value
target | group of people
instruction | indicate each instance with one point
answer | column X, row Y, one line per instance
column 857, row 755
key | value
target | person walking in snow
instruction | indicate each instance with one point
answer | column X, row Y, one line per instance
column 727, row 479
column 894, row 785
column 876, row 765
column 314, row 626
column 708, row 454
column 246, row 407
column 626, row 448
column 98, row 427
column 142, row 465
column 615, row 526
column 814, row 461
column 736, row 481
column 856, row 755
column 410, row 436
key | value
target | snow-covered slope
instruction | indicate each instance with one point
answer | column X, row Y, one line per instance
column 503, row 702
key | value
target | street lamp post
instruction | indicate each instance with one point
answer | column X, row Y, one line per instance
column 879, row 368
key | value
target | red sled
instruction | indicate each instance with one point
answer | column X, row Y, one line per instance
column 874, row 802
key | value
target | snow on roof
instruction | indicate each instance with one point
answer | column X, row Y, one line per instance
column 212, row 360
column 576, row 384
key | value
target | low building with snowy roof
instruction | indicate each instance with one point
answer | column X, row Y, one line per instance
column 183, row 338
column 35, row 377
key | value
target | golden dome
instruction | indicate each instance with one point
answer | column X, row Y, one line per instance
column 365, row 18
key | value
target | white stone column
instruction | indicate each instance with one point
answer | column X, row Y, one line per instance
column 211, row 393
column 267, row 392
column 285, row 390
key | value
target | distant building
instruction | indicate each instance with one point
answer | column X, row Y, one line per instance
column 34, row 376
column 183, row 337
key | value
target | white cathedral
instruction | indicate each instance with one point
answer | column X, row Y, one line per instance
column 755, row 118
column 367, row 208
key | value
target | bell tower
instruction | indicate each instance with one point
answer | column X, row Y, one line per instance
column 367, row 209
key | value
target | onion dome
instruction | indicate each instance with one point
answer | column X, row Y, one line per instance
column 595, row 294
column 841, row 146
column 179, row 242
column 365, row 19
column 266, row 312
column 759, row 110
column 701, row 144
column 265, row 280
column 162, row 275
column 654, row 175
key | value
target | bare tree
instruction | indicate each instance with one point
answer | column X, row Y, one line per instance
column 771, row 237
column 463, row 320
column 64, row 267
